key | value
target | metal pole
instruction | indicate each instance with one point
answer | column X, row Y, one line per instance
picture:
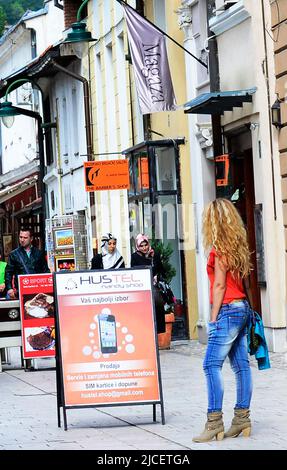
column 214, row 82
column 38, row 118
column 79, row 14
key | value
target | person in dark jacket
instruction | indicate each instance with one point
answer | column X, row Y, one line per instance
column 146, row 256
column 26, row 259
column 110, row 257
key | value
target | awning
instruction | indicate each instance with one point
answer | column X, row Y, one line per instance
column 219, row 101
column 34, row 207
column 17, row 188
column 42, row 66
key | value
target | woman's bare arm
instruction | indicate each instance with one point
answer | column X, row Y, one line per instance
column 219, row 288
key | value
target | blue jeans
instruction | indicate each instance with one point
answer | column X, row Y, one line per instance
column 228, row 337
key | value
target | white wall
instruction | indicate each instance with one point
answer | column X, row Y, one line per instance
column 19, row 142
column 18, row 147
column 49, row 28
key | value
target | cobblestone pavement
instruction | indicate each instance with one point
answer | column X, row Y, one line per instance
column 28, row 416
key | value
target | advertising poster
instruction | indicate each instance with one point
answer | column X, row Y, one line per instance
column 107, row 337
column 37, row 311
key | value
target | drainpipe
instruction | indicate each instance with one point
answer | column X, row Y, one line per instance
column 214, row 80
column 86, row 91
column 59, row 162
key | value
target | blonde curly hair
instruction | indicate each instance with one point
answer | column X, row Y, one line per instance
column 223, row 229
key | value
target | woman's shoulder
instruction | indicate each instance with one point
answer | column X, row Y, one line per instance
column 211, row 256
column 139, row 260
column 97, row 256
column 97, row 261
column 136, row 256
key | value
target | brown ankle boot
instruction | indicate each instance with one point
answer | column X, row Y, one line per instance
column 213, row 428
column 240, row 423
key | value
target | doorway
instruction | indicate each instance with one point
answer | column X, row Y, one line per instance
column 240, row 190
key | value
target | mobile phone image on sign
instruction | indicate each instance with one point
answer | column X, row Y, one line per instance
column 107, row 333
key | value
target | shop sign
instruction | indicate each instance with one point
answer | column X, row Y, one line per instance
column 107, row 338
column 222, row 170
column 105, row 175
column 37, row 315
column 143, row 178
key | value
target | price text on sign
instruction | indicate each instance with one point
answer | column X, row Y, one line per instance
column 106, row 175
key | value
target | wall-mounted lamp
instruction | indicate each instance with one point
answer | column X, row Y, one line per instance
column 8, row 113
column 79, row 37
column 276, row 114
column 7, row 110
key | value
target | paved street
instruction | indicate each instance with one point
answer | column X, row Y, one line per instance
column 28, row 417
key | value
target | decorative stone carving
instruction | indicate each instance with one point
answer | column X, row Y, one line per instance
column 185, row 20
column 204, row 56
column 204, row 136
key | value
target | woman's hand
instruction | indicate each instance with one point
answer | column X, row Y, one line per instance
column 2, row 287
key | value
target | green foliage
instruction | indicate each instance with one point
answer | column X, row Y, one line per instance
column 2, row 20
column 165, row 252
column 14, row 9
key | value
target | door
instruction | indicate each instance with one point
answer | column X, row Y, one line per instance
column 243, row 196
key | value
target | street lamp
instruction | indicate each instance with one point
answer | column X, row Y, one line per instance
column 79, row 37
column 7, row 115
column 7, row 110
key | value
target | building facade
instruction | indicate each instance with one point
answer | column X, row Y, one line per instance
column 279, row 31
column 245, row 143
column 159, row 201
column 21, row 169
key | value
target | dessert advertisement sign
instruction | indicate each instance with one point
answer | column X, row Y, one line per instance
column 37, row 315
column 107, row 341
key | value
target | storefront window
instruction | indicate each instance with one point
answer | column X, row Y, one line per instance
column 154, row 196
column 165, row 169
column 166, row 222
column 135, row 222
column 147, row 217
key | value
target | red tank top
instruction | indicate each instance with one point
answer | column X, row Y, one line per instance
column 234, row 286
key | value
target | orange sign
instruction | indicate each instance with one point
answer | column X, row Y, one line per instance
column 143, row 179
column 222, row 170
column 107, row 337
column 106, row 175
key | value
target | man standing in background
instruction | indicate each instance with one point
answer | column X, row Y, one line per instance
column 26, row 259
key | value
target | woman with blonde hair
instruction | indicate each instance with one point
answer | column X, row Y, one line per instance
column 224, row 236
